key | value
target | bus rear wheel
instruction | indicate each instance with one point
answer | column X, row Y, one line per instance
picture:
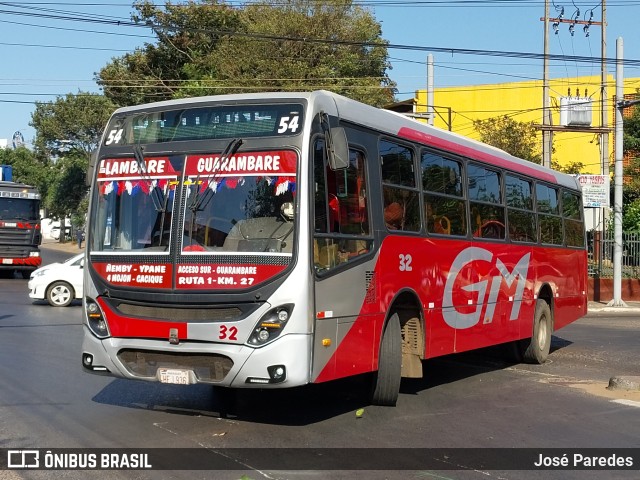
column 386, row 381
column 537, row 349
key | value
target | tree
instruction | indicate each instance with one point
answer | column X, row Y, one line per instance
column 520, row 139
column 572, row 168
column 68, row 188
column 631, row 132
column 208, row 48
column 631, row 217
column 27, row 167
column 70, row 125
column 631, row 185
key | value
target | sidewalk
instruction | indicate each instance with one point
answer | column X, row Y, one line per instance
column 632, row 307
column 68, row 246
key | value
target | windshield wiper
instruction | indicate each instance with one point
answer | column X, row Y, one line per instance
column 231, row 148
column 138, row 154
column 162, row 211
column 159, row 199
column 198, row 198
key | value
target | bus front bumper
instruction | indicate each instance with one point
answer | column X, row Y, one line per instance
column 282, row 363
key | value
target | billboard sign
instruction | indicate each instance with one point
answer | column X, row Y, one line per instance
column 595, row 190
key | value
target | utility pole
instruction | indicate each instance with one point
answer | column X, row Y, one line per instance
column 547, row 126
column 617, row 196
column 430, row 93
column 546, row 113
column 604, row 121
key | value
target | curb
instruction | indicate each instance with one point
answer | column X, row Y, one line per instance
column 624, row 383
column 607, row 309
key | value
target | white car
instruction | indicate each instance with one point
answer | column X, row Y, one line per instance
column 55, row 233
column 58, row 283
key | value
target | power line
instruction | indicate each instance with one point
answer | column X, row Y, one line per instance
column 389, row 46
column 64, row 47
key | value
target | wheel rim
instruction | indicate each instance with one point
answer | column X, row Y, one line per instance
column 542, row 333
column 60, row 295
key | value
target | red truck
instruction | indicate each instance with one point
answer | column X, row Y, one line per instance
column 20, row 233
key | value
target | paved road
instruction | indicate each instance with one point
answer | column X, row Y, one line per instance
column 470, row 400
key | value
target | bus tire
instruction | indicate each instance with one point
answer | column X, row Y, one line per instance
column 539, row 344
column 386, row 381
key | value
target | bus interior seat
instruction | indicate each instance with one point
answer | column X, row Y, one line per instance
column 262, row 234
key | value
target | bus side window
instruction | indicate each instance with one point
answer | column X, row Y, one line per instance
column 341, row 213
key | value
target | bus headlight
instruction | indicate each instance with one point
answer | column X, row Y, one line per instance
column 95, row 320
column 270, row 325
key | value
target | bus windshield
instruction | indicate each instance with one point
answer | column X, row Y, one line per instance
column 205, row 123
column 133, row 211
column 244, row 202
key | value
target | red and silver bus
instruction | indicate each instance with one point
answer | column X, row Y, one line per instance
column 279, row 239
column 20, row 234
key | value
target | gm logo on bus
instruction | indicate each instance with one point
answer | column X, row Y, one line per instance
column 458, row 320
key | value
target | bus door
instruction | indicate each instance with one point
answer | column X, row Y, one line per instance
column 341, row 239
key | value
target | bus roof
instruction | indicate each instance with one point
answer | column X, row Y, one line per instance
column 391, row 123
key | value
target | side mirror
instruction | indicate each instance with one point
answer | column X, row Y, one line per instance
column 338, row 148
column 88, row 178
column 337, row 145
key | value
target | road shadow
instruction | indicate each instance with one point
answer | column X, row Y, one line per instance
column 43, row 303
column 297, row 406
column 290, row 406
column 461, row 366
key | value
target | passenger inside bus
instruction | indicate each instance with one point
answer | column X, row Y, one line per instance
column 437, row 223
column 263, row 234
column 486, row 222
column 394, row 216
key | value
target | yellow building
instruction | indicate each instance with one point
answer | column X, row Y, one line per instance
column 522, row 101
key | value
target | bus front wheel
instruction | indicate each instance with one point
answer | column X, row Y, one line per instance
column 539, row 344
column 386, row 381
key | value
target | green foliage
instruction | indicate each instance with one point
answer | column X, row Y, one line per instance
column 631, row 186
column 631, row 217
column 631, row 127
column 68, row 188
column 79, row 216
column 209, row 47
column 70, row 125
column 520, row 139
column 572, row 168
column 27, row 168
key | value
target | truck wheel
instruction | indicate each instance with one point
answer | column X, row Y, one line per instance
column 386, row 381
column 539, row 344
column 60, row 294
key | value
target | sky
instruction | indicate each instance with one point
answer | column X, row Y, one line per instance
column 45, row 53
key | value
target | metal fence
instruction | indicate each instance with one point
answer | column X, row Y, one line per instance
column 600, row 254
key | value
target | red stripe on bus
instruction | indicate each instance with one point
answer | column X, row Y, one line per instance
column 120, row 326
column 425, row 138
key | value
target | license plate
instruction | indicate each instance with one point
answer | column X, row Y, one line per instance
column 174, row 375
column 7, row 261
column 10, row 224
